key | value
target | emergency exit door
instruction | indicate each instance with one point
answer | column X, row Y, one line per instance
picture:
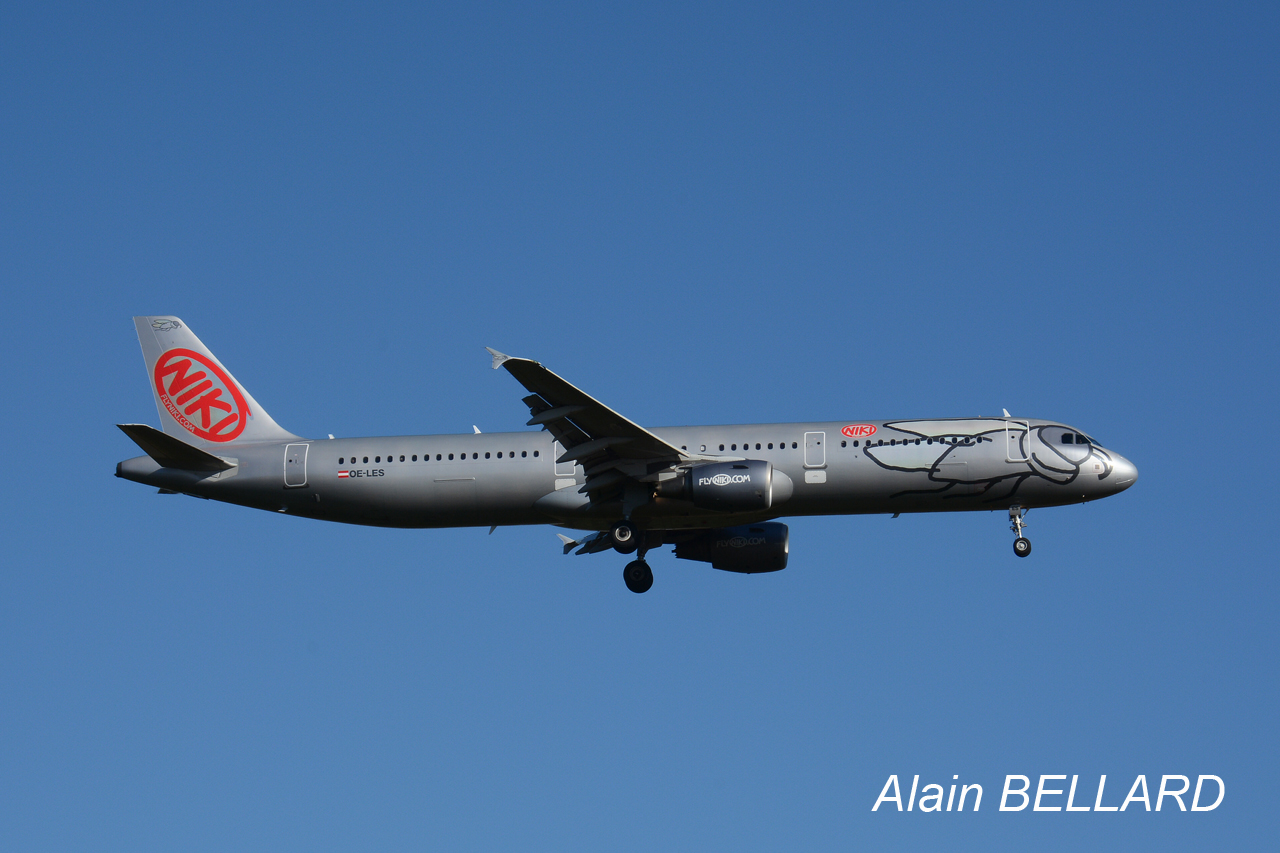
column 815, row 451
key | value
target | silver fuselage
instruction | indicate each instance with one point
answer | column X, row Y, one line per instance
column 503, row 479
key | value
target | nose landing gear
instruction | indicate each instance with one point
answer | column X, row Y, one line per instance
column 1021, row 545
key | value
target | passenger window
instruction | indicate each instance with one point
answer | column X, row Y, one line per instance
column 757, row 445
column 339, row 460
column 450, row 457
column 794, row 445
column 524, row 453
column 377, row 459
column 438, row 457
column 855, row 442
column 771, row 445
column 477, row 456
column 722, row 447
column 704, row 449
column 486, row 454
column 535, row 454
column 844, row 443
column 402, row 457
column 366, row 460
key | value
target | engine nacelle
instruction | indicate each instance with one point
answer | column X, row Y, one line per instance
column 748, row 548
column 727, row 486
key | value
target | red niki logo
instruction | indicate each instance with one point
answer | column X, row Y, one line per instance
column 200, row 395
column 859, row 430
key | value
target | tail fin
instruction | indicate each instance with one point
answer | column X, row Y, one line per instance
column 197, row 397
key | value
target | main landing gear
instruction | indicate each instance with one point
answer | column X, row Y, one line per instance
column 1021, row 545
column 627, row 539
column 638, row 576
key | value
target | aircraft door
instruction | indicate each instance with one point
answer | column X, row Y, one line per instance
column 815, row 452
column 563, row 469
column 295, row 465
column 1017, row 441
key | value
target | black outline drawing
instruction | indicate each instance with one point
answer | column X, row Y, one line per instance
column 1061, row 470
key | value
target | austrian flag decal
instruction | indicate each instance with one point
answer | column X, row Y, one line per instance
column 200, row 396
column 343, row 475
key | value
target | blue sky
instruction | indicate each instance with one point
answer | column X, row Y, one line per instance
column 709, row 214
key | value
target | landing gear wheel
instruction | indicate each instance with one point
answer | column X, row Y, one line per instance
column 638, row 576
column 626, row 539
column 1021, row 545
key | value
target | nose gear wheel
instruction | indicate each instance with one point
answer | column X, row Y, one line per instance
column 1021, row 545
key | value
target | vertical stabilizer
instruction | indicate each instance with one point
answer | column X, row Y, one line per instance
column 200, row 402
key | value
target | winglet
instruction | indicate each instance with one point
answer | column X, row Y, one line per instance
column 569, row 544
column 498, row 357
column 1006, row 413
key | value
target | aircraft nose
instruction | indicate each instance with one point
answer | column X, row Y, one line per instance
column 1125, row 473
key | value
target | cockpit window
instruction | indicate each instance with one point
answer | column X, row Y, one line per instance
column 1068, row 438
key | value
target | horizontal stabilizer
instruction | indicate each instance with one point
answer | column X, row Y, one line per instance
column 170, row 452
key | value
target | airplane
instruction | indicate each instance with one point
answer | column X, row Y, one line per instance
column 711, row 491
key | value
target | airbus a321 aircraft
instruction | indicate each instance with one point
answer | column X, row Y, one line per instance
column 711, row 491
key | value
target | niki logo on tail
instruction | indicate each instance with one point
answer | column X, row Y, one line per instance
column 208, row 395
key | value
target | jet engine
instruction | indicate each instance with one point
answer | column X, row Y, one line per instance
column 748, row 548
column 729, row 486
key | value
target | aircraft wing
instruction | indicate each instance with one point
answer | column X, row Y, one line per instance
column 610, row 448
